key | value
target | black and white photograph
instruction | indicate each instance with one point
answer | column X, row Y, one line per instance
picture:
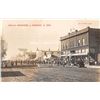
column 40, row 50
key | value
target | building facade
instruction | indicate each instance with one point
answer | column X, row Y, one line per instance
column 43, row 55
column 83, row 44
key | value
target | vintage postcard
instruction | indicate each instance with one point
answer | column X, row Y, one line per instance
column 50, row 50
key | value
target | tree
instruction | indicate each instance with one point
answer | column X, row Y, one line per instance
column 31, row 55
column 3, row 47
column 27, row 54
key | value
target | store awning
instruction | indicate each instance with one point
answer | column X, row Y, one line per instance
column 78, row 54
column 63, row 55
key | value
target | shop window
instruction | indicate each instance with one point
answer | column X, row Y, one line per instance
column 83, row 50
column 79, row 51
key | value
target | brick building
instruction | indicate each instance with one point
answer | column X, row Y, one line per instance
column 83, row 44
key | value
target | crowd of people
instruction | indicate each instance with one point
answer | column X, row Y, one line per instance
column 63, row 62
column 10, row 63
column 58, row 62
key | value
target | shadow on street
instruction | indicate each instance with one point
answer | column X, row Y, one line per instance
column 11, row 74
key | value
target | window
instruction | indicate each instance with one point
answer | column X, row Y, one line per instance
column 80, row 51
column 75, row 43
column 63, row 46
column 83, row 41
column 77, row 51
column 87, row 50
column 83, row 50
column 79, row 42
column 66, row 46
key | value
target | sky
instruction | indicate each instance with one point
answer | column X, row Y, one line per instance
column 39, row 33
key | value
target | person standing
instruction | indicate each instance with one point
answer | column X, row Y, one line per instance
column 81, row 63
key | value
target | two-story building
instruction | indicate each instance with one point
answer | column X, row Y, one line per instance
column 83, row 44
